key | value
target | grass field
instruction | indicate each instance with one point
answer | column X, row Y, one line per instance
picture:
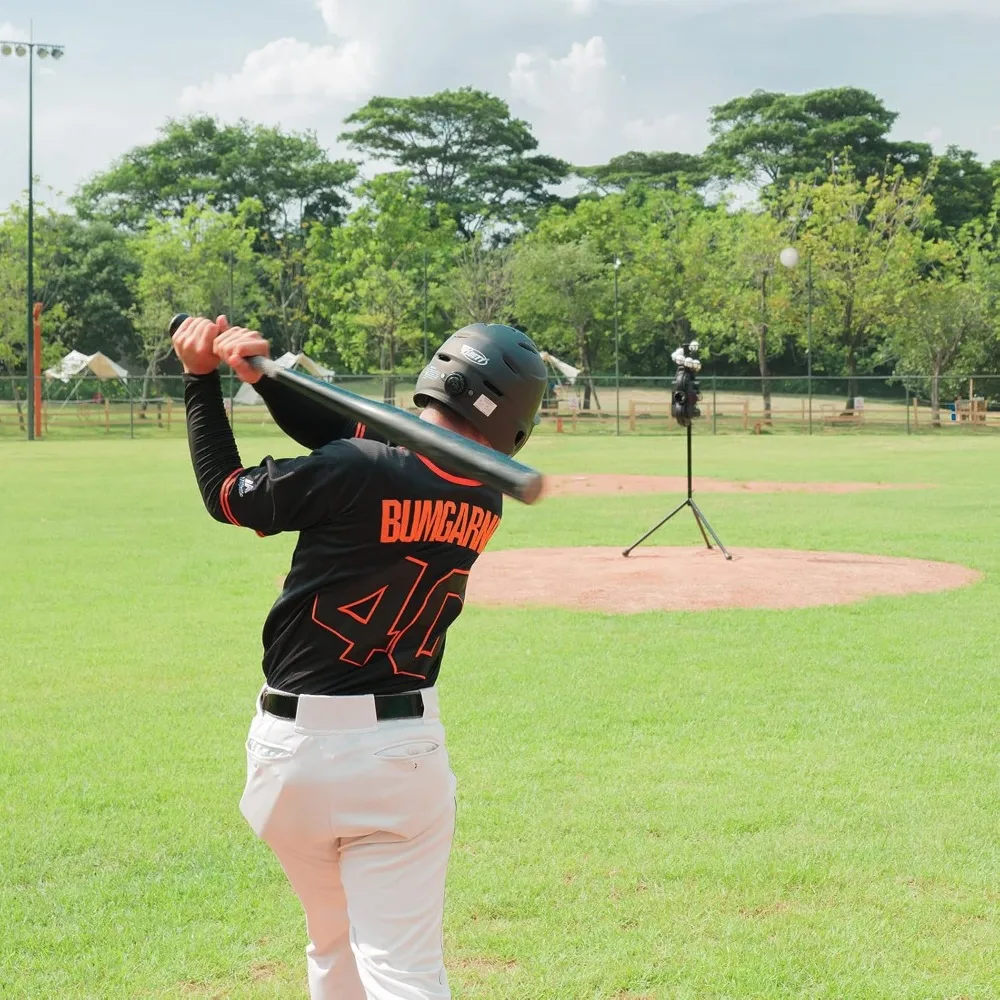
column 742, row 804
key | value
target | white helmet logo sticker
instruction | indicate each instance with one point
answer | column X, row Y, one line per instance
column 476, row 357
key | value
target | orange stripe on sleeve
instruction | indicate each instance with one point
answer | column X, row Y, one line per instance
column 224, row 497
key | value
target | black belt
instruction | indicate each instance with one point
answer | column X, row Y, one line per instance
column 387, row 706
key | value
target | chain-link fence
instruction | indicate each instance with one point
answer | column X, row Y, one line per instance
column 602, row 405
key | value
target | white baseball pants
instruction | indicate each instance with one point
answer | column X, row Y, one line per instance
column 360, row 813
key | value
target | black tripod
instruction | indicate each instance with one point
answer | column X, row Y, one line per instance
column 689, row 502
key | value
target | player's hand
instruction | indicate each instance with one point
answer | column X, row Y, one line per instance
column 235, row 344
column 194, row 344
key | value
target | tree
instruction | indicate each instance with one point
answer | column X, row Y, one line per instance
column 963, row 188
column 480, row 286
column 91, row 273
column 198, row 162
column 737, row 298
column 464, row 149
column 658, row 171
column 14, row 287
column 186, row 268
column 947, row 321
column 357, row 276
column 771, row 138
column 561, row 297
column 865, row 240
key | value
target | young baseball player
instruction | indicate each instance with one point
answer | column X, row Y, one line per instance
column 348, row 778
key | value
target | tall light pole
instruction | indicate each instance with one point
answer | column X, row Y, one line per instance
column 618, row 404
column 790, row 258
column 29, row 49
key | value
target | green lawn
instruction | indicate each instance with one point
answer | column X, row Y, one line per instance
column 715, row 805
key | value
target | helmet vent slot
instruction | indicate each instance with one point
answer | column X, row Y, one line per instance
column 492, row 388
column 444, row 357
column 527, row 347
column 507, row 362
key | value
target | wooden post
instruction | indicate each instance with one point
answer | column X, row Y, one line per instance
column 559, row 425
column 916, row 412
column 107, row 416
column 746, row 414
column 803, row 411
column 631, row 415
column 170, row 410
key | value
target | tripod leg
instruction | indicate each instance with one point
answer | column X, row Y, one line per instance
column 704, row 520
column 701, row 527
column 655, row 527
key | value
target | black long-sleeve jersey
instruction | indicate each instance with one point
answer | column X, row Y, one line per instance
column 386, row 544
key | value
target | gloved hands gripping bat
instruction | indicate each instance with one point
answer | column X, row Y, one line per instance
column 452, row 452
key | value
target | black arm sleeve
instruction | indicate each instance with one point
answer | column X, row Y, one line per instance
column 302, row 419
column 213, row 448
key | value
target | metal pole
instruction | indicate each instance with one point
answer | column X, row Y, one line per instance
column 809, row 338
column 31, row 243
column 715, row 409
column 618, row 402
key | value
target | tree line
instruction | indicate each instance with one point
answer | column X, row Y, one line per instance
column 467, row 221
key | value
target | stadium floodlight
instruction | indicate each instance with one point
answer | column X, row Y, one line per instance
column 43, row 50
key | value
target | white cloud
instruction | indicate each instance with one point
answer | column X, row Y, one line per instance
column 568, row 98
column 12, row 34
column 933, row 135
column 289, row 70
column 562, row 84
column 984, row 8
column 671, row 132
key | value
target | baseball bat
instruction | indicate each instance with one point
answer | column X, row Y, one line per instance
column 453, row 452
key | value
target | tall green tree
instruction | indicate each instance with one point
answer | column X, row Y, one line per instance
column 866, row 243
column 561, row 295
column 479, row 288
column 948, row 322
column 199, row 162
column 658, row 171
column 92, row 273
column 464, row 149
column 365, row 279
column 737, row 298
column 14, row 287
column 963, row 188
column 185, row 267
column 770, row 138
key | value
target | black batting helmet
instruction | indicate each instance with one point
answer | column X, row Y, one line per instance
column 491, row 375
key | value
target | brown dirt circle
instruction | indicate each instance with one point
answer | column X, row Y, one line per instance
column 672, row 578
column 604, row 484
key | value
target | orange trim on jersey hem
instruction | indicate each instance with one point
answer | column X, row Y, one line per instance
column 446, row 475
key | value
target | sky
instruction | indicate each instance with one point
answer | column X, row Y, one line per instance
column 594, row 77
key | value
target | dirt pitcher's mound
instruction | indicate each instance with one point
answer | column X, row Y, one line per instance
column 600, row 484
column 671, row 578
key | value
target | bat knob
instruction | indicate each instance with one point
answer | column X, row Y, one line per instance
column 176, row 322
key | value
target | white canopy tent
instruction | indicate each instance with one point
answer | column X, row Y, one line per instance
column 79, row 366
column 561, row 367
column 77, row 363
column 247, row 394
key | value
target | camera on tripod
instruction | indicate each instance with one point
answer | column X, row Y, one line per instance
column 687, row 392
